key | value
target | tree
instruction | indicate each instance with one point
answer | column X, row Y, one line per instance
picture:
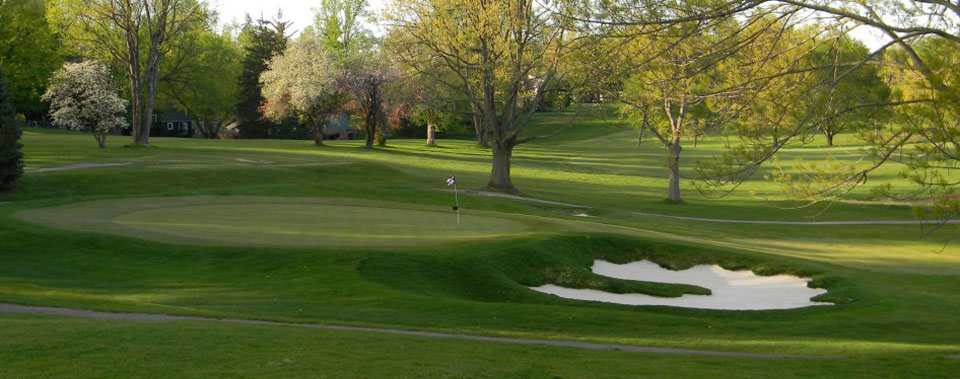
column 264, row 40
column 699, row 78
column 201, row 78
column 339, row 25
column 29, row 53
column 82, row 97
column 302, row 81
column 11, row 158
column 929, row 121
column 136, row 33
column 925, row 114
column 428, row 89
column 503, row 53
column 861, row 85
column 423, row 111
column 672, row 93
column 365, row 78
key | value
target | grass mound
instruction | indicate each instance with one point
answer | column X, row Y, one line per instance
column 503, row 272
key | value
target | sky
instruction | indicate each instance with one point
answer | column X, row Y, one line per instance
column 298, row 11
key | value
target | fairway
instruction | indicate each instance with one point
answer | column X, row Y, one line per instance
column 270, row 221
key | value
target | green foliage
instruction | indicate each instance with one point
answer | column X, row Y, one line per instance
column 302, row 82
column 263, row 40
column 29, row 53
column 339, row 24
column 11, row 158
column 848, row 85
column 202, row 77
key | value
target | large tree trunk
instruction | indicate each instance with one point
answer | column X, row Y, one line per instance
column 431, row 140
column 500, row 174
column 481, row 131
column 829, row 138
column 318, row 132
column 673, row 165
column 135, row 108
column 143, row 138
column 371, row 131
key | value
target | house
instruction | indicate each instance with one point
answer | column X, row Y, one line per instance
column 173, row 124
column 338, row 128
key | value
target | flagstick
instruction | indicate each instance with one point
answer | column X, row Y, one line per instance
column 456, row 198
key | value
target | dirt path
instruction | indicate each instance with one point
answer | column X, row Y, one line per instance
column 23, row 309
column 770, row 222
column 77, row 166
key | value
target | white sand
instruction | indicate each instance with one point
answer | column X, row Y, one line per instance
column 732, row 290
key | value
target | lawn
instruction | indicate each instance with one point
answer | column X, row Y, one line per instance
column 230, row 229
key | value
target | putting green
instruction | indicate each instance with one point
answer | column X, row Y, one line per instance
column 268, row 221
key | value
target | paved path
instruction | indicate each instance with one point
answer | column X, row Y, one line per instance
column 770, row 222
column 725, row 221
column 23, row 309
column 77, row 166
column 518, row 197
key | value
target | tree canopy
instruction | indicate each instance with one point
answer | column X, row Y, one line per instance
column 82, row 97
column 302, row 81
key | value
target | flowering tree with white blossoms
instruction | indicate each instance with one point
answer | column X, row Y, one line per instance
column 303, row 82
column 82, row 98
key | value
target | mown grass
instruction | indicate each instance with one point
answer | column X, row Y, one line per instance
column 87, row 348
column 895, row 291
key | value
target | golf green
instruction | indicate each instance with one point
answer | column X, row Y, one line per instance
column 271, row 221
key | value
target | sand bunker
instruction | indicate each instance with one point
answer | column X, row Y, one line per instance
column 732, row 290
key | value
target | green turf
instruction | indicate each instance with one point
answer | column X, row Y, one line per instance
column 268, row 221
column 894, row 287
column 89, row 348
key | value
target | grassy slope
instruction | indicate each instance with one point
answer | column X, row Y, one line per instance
column 904, row 319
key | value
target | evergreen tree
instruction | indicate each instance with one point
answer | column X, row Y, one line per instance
column 264, row 39
column 11, row 159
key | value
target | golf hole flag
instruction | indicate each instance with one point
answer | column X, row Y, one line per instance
column 452, row 181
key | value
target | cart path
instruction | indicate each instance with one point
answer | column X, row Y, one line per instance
column 518, row 197
column 770, row 222
column 723, row 221
column 24, row 309
column 77, row 166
